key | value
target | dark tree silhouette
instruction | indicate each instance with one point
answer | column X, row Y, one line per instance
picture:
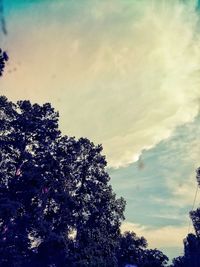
column 51, row 186
column 195, row 216
column 153, row 258
column 178, row 262
column 3, row 59
column 192, row 251
column 57, row 207
column 133, row 250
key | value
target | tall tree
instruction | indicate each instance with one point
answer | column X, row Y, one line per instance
column 51, row 186
column 56, row 205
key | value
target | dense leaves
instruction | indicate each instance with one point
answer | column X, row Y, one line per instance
column 50, row 187
column 133, row 250
column 3, row 59
column 57, row 207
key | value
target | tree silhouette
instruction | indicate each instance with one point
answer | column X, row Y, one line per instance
column 192, row 250
column 3, row 59
column 178, row 262
column 153, row 258
column 51, row 186
column 57, row 207
column 133, row 250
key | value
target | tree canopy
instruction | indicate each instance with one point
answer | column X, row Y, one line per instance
column 133, row 250
column 57, row 207
column 50, row 186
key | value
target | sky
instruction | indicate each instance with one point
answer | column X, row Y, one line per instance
column 124, row 73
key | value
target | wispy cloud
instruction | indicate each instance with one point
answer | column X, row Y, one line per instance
column 162, row 193
column 123, row 74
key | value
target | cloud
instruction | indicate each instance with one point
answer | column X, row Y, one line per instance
column 183, row 157
column 184, row 193
column 122, row 74
column 162, row 193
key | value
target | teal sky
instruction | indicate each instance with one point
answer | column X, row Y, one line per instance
column 160, row 187
column 124, row 73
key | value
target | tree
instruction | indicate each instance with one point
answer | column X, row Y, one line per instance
column 25, row 133
column 57, row 207
column 133, row 250
column 97, row 211
column 192, row 251
column 3, row 59
column 178, row 262
column 153, row 258
column 51, row 186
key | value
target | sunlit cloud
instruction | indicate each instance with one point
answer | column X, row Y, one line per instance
column 123, row 74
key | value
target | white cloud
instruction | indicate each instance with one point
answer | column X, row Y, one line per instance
column 124, row 78
column 181, row 159
column 184, row 194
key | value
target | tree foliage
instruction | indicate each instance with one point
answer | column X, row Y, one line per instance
column 133, row 250
column 3, row 59
column 50, row 186
column 57, row 207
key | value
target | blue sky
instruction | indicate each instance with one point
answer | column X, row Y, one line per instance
column 124, row 74
column 150, row 184
column 160, row 187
